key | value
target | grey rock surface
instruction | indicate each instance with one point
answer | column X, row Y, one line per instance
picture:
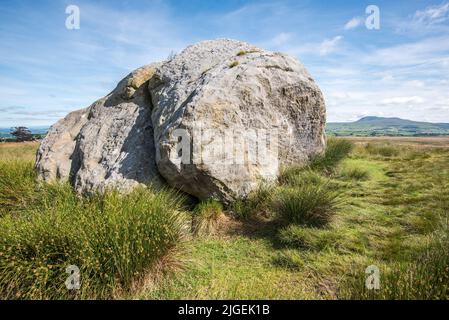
column 108, row 145
column 213, row 121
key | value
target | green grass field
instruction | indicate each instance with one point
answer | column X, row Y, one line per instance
column 310, row 236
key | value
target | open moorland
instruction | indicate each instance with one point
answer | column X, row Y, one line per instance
column 380, row 202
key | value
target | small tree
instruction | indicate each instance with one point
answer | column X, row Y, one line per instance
column 22, row 134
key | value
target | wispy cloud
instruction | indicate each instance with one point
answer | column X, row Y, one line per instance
column 433, row 14
column 403, row 100
column 46, row 70
column 354, row 23
column 330, row 45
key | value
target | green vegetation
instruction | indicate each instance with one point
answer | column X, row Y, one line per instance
column 389, row 217
column 307, row 203
column 311, row 235
column 206, row 216
column 378, row 126
column 384, row 150
column 257, row 202
column 233, row 64
column 336, row 151
column 116, row 241
column 355, row 173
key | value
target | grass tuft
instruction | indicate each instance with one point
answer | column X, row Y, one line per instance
column 355, row 173
column 206, row 217
column 260, row 201
column 336, row 151
column 113, row 239
column 306, row 203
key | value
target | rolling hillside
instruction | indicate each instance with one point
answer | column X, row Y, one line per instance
column 378, row 126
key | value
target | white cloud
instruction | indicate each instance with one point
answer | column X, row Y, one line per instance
column 403, row 100
column 353, row 23
column 329, row 45
column 427, row 51
column 415, row 83
column 433, row 14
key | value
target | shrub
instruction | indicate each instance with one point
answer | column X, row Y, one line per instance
column 336, row 151
column 308, row 204
column 113, row 239
column 206, row 216
column 233, row 64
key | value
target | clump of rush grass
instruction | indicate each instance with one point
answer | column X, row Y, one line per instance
column 113, row 239
column 384, row 150
column 336, row 151
column 233, row 64
column 206, row 216
column 296, row 176
column 309, row 201
column 355, row 173
column 260, row 201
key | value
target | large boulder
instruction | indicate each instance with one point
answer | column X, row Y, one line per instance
column 107, row 145
column 213, row 121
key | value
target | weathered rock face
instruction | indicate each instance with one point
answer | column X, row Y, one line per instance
column 109, row 144
column 213, row 121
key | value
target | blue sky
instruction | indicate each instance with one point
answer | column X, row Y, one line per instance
column 401, row 70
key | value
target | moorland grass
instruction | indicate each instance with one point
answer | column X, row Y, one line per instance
column 355, row 173
column 308, row 204
column 424, row 277
column 259, row 201
column 387, row 219
column 336, row 151
column 384, row 150
column 206, row 216
column 115, row 240
column 392, row 219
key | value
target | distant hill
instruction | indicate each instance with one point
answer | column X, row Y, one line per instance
column 367, row 126
column 378, row 126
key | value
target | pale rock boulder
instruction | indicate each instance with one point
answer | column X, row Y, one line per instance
column 108, row 145
column 233, row 101
column 213, row 121
column 54, row 156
